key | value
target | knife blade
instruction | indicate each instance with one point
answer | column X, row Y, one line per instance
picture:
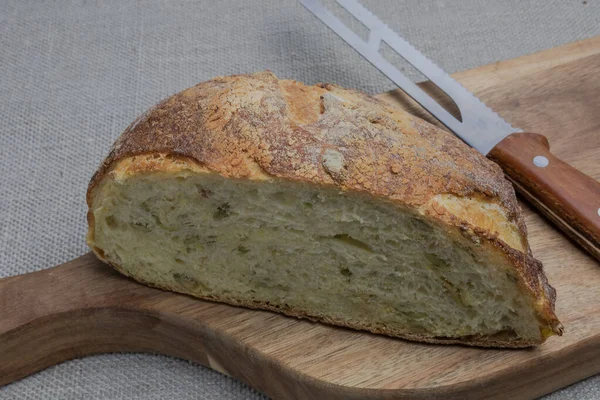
column 476, row 116
column 568, row 197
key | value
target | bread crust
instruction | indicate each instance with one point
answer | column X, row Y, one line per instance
column 259, row 127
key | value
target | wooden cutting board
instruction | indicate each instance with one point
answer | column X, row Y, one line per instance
column 83, row 307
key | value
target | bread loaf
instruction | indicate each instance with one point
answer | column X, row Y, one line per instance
column 323, row 203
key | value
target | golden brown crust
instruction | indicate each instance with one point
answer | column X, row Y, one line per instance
column 257, row 126
column 240, row 125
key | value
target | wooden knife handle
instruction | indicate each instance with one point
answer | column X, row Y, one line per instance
column 568, row 197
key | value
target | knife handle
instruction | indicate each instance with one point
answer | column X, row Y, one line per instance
column 565, row 195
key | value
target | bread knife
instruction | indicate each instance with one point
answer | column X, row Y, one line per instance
column 566, row 196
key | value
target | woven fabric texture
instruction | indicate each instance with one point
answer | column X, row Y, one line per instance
column 74, row 74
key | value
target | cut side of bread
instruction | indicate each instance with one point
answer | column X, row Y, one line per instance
column 321, row 203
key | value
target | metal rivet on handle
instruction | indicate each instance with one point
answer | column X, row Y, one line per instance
column 599, row 212
column 540, row 161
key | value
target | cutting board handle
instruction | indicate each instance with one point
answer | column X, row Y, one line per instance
column 83, row 307
column 565, row 195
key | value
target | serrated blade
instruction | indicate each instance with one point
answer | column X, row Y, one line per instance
column 480, row 127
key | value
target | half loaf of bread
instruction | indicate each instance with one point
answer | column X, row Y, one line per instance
column 321, row 203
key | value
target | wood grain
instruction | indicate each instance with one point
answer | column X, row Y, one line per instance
column 83, row 307
column 567, row 197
